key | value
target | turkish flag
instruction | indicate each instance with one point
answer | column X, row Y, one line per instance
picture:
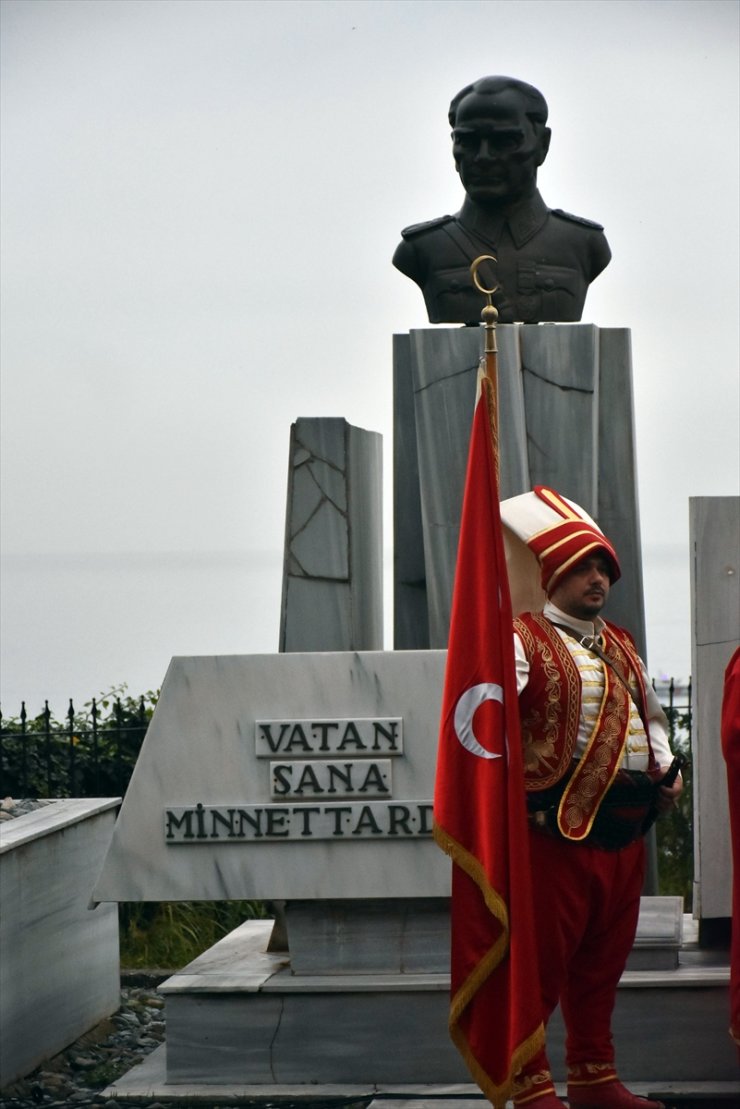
column 479, row 800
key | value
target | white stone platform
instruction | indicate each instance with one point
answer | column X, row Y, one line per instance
column 239, row 1016
column 148, row 1081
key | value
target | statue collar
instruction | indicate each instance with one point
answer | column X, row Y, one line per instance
column 523, row 220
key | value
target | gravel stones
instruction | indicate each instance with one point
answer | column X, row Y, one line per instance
column 10, row 808
column 78, row 1074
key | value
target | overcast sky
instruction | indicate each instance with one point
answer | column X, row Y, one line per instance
column 200, row 201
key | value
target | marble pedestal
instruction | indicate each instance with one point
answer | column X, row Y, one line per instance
column 715, row 624
column 403, row 935
column 566, row 420
column 240, row 1014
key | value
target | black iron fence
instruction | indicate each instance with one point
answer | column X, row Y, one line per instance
column 676, row 699
column 92, row 753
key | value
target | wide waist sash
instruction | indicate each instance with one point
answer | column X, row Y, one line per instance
column 597, row 768
column 627, row 809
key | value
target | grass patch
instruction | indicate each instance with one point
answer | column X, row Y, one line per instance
column 170, row 934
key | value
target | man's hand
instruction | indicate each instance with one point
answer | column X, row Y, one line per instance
column 668, row 795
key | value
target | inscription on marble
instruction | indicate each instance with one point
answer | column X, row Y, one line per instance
column 309, row 738
column 267, row 823
column 319, row 778
column 300, row 776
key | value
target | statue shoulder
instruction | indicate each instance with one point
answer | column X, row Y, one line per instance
column 580, row 220
column 416, row 229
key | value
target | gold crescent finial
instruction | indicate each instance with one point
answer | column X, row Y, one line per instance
column 489, row 315
column 476, row 280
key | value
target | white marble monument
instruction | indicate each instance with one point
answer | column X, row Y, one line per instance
column 294, row 776
column 566, row 420
column 333, row 560
column 715, row 624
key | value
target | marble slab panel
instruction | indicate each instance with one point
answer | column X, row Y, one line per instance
column 560, row 378
column 369, row 937
column 392, row 1029
column 715, row 607
column 566, row 420
column 201, row 750
column 659, row 934
column 444, row 368
column 410, row 617
column 312, row 1038
column 58, row 959
column 618, row 512
column 147, row 1081
column 332, row 569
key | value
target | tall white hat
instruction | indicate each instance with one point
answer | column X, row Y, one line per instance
column 545, row 535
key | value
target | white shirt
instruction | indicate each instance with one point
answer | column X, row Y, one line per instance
column 591, row 670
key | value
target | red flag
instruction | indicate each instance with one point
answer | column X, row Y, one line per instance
column 479, row 802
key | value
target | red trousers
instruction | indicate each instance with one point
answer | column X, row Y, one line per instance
column 586, row 904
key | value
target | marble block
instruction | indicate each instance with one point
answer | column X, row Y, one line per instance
column 444, row 370
column 617, row 509
column 332, row 568
column 410, row 617
column 560, row 379
column 269, row 1026
column 565, row 420
column 58, row 959
column 715, row 624
column 404, row 936
column 266, row 776
column 659, row 934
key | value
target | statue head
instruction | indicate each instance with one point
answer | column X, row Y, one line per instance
column 499, row 139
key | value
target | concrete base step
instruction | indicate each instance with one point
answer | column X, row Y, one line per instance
column 412, row 935
column 147, row 1083
column 708, row 1095
column 239, row 1015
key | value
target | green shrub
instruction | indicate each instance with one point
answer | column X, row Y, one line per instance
column 675, row 829
column 89, row 753
column 170, row 934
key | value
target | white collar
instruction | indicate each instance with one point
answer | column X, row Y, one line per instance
column 584, row 627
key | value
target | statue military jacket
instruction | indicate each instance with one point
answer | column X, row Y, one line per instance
column 546, row 261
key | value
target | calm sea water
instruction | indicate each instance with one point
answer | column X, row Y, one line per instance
column 77, row 625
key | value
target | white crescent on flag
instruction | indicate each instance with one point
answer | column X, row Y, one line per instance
column 465, row 710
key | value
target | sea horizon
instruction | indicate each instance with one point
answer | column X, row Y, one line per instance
column 77, row 625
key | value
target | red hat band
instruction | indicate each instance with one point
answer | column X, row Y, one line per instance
column 560, row 547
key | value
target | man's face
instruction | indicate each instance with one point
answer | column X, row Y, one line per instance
column 584, row 590
column 496, row 148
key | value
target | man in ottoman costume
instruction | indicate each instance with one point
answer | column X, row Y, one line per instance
column 595, row 743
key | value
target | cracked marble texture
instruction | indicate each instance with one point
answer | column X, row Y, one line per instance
column 332, row 572
column 565, row 420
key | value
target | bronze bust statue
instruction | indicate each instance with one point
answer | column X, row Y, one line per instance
column 547, row 258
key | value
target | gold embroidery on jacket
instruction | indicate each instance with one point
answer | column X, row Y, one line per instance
column 599, row 763
column 548, row 740
column 549, row 736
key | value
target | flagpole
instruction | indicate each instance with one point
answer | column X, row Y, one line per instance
column 495, row 1017
column 489, row 361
